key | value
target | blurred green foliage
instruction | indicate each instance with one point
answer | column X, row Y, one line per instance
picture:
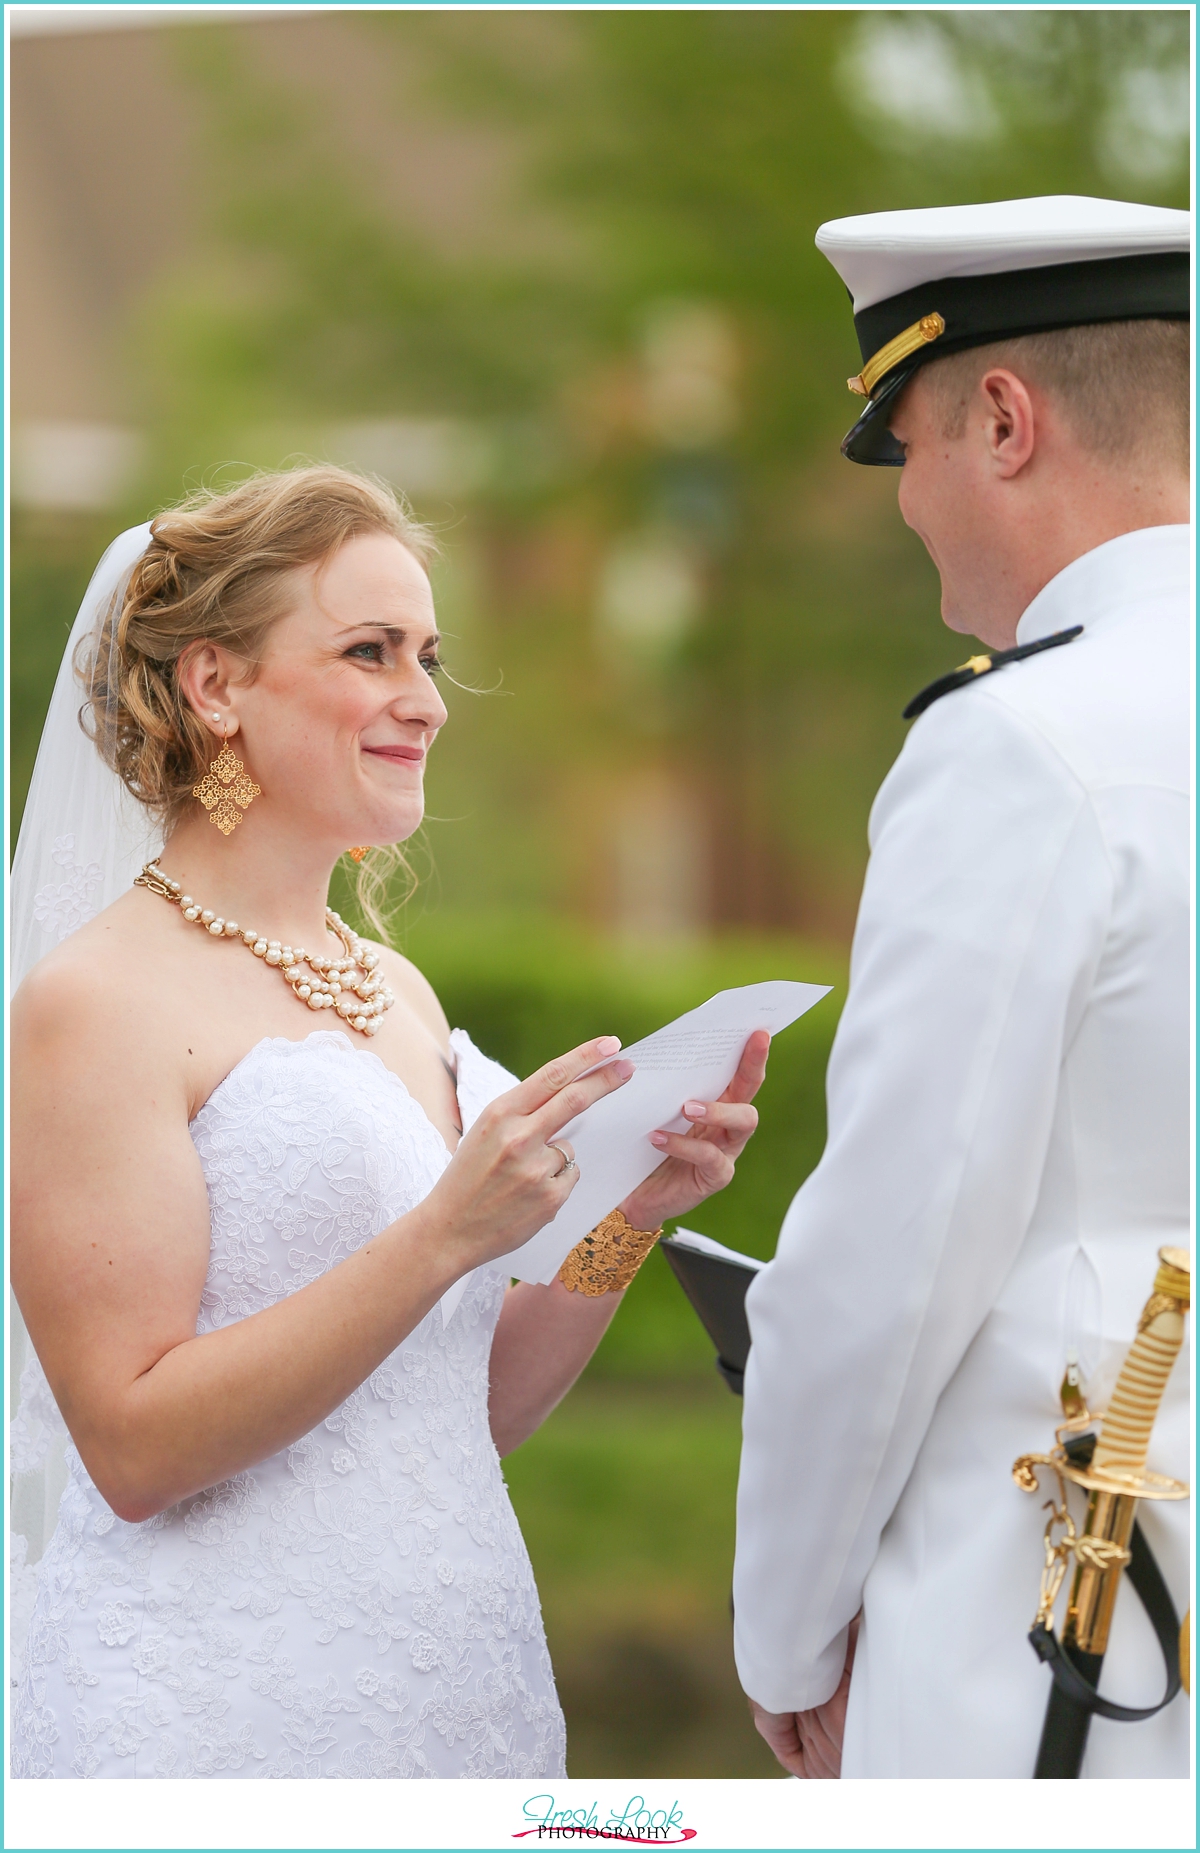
column 654, row 163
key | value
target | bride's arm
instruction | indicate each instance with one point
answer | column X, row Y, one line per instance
column 110, row 1247
column 545, row 1335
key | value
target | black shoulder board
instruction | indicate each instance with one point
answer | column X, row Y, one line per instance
column 983, row 666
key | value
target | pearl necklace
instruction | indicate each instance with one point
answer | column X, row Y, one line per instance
column 351, row 985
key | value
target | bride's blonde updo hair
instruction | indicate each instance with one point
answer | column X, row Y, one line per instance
column 217, row 571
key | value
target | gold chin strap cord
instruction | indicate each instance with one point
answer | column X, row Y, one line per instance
column 897, row 349
column 608, row 1257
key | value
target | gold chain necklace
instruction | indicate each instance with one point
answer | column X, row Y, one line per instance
column 350, row 985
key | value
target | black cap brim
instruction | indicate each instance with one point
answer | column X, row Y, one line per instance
column 871, row 440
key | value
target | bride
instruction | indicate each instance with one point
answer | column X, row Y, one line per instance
column 256, row 1254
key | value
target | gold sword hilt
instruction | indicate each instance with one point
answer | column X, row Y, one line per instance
column 1124, row 1439
column 1116, row 1477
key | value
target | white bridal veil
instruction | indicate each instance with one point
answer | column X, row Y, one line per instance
column 83, row 839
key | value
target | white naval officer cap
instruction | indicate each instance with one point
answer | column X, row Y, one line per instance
column 935, row 281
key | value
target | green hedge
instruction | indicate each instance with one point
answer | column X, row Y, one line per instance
column 526, row 990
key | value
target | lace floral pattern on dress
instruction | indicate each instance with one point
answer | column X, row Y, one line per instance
column 62, row 906
column 361, row 1604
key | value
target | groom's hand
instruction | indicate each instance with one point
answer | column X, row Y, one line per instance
column 809, row 1743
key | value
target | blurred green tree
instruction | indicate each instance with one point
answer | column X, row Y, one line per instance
column 623, row 401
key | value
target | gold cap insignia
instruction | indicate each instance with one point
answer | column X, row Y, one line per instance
column 897, row 349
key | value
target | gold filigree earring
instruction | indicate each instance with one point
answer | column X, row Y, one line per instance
column 226, row 790
column 358, row 854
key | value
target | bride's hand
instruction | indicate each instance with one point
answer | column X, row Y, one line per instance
column 506, row 1181
column 700, row 1162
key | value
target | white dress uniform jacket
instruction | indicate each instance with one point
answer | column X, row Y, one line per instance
column 1008, row 1148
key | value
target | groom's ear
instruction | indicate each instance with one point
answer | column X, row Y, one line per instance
column 1009, row 421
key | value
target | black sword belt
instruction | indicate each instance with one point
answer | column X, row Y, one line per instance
column 1074, row 1700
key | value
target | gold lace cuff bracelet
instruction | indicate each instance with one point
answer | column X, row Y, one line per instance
column 608, row 1258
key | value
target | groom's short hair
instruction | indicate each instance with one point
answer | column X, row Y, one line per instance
column 1125, row 387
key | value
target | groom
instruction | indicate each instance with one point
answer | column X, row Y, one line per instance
column 1008, row 1093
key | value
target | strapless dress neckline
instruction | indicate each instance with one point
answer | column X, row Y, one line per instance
column 367, row 1055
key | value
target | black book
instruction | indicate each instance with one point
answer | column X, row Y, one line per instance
column 715, row 1280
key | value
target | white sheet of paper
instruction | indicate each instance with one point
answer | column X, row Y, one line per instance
column 694, row 1058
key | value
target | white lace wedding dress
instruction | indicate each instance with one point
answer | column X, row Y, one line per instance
column 360, row 1604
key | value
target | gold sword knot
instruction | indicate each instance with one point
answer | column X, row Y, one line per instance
column 1099, row 1553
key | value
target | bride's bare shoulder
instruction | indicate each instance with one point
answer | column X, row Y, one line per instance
column 96, row 977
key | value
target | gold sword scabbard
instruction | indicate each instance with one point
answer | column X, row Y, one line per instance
column 1116, row 1477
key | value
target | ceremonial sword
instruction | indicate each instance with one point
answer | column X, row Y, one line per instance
column 1111, row 1466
